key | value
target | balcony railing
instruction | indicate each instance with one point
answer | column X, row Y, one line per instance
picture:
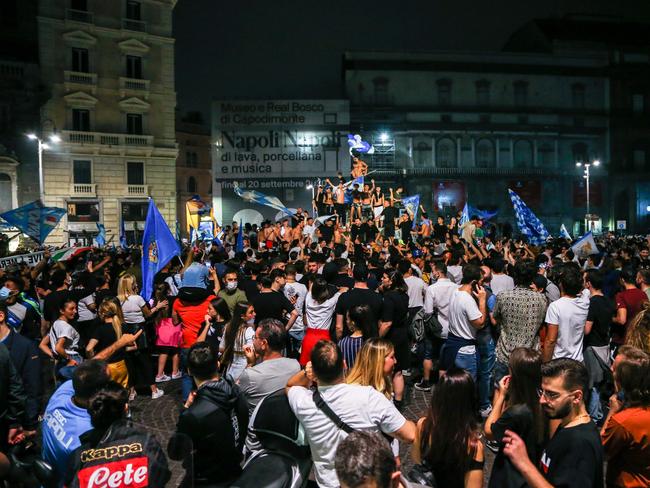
column 463, row 171
column 104, row 139
column 83, row 190
column 79, row 16
column 134, row 25
column 81, row 78
column 137, row 190
column 133, row 85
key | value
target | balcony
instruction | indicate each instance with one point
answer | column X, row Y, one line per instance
column 137, row 190
column 83, row 190
column 134, row 87
column 76, row 80
column 79, row 16
column 134, row 25
column 104, row 139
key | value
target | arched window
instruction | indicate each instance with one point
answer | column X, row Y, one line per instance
column 446, row 153
column 523, row 157
column 485, row 154
column 422, row 154
column 191, row 184
column 545, row 157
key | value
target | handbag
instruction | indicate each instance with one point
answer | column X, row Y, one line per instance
column 422, row 474
column 168, row 334
column 141, row 342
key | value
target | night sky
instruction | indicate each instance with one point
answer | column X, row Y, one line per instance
column 289, row 49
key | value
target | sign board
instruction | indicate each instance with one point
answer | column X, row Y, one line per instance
column 276, row 147
column 31, row 259
column 621, row 224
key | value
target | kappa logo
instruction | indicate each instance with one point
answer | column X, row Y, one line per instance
column 545, row 461
column 110, row 452
column 153, row 252
column 129, row 473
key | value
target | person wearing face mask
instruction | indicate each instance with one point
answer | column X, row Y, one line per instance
column 60, row 285
column 231, row 293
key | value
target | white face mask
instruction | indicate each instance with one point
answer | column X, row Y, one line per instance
column 231, row 285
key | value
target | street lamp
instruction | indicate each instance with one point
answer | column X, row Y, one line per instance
column 42, row 145
column 586, row 175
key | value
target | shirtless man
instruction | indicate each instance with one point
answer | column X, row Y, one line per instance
column 359, row 168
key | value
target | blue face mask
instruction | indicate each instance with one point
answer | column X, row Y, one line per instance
column 4, row 292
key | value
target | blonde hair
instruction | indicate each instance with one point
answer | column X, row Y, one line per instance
column 638, row 332
column 125, row 287
column 368, row 369
column 109, row 309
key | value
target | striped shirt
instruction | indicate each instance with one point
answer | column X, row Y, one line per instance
column 350, row 346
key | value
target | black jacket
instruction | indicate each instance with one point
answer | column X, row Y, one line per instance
column 25, row 356
column 12, row 395
column 120, row 452
column 214, row 428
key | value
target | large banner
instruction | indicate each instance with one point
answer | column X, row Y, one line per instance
column 276, row 147
column 449, row 196
column 31, row 259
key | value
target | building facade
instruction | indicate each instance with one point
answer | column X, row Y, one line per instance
column 457, row 127
column 193, row 166
column 109, row 71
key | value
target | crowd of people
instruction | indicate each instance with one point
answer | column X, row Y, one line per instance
column 532, row 352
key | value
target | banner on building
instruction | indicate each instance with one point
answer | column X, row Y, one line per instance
column 449, row 196
column 31, row 259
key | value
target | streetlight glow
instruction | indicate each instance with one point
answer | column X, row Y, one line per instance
column 383, row 137
column 596, row 162
column 55, row 138
column 578, row 164
column 32, row 136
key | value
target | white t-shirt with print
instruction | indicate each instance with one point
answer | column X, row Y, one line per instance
column 570, row 315
column 59, row 329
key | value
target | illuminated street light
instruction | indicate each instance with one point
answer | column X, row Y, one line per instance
column 54, row 139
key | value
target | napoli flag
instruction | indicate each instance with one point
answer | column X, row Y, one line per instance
column 412, row 204
column 464, row 217
column 564, row 233
column 585, row 246
column 100, row 238
column 34, row 219
column 528, row 223
column 158, row 248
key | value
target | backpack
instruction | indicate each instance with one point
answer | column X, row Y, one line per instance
column 168, row 334
column 424, row 326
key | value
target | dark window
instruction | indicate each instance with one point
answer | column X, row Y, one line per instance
column 134, row 173
column 191, row 185
column 82, row 172
column 80, row 60
column 133, row 10
column 135, row 211
column 134, row 67
column 381, row 90
column 83, row 211
column 483, row 92
column 521, row 93
column 485, row 154
column 578, row 95
column 446, row 153
column 134, row 124
column 81, row 5
column 638, row 103
column 80, row 119
column 444, row 92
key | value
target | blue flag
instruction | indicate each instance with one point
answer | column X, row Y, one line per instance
column 158, row 248
column 481, row 214
column 464, row 217
column 528, row 223
column 101, row 235
column 123, row 242
column 564, row 233
column 412, row 204
column 262, row 199
column 34, row 219
column 239, row 245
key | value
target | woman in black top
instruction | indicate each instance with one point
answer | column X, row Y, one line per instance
column 215, row 322
column 107, row 332
column 516, row 407
column 393, row 325
column 448, row 440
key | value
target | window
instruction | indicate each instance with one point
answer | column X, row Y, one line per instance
column 80, row 60
column 381, row 90
column 579, row 151
column 422, row 154
column 134, row 67
column 191, row 159
column 191, row 185
column 135, row 173
column 638, row 103
column 546, row 154
column 638, row 158
column 81, row 5
column 134, row 124
column 521, row 93
column 133, row 10
column 83, row 211
column 444, row 92
column 80, row 119
column 81, row 172
column 578, row 95
column 523, row 155
column 485, row 154
column 483, row 92
column 446, row 153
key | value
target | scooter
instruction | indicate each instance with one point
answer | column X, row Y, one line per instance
column 276, row 454
column 28, row 469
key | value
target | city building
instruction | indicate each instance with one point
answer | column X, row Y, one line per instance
column 461, row 127
column 193, row 166
column 108, row 68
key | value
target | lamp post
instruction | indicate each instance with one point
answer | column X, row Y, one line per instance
column 42, row 145
column 586, row 175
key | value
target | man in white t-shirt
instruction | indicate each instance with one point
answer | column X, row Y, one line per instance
column 500, row 281
column 566, row 318
column 360, row 407
column 466, row 317
column 416, row 286
column 295, row 293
